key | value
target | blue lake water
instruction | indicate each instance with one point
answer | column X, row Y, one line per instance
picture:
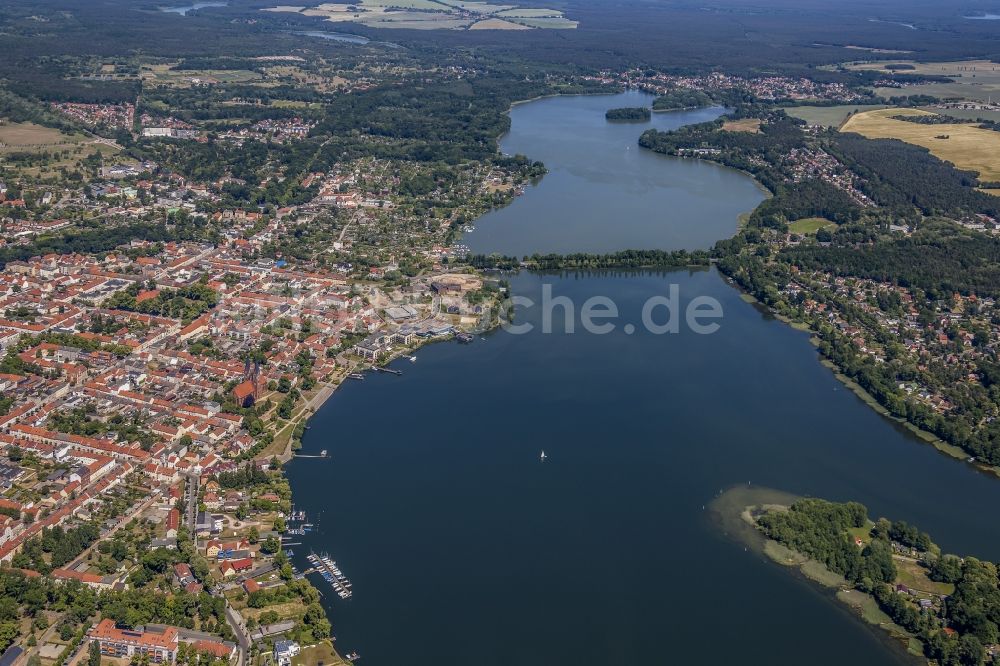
column 464, row 548
column 334, row 36
column 183, row 10
column 604, row 193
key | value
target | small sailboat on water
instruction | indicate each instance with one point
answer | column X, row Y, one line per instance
column 543, row 456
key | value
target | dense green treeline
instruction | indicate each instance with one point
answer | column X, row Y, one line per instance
column 89, row 240
column 808, row 198
column 582, row 260
column 938, row 263
column 901, row 176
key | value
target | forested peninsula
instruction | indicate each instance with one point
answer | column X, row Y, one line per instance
column 943, row 607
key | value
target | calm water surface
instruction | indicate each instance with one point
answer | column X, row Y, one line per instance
column 465, row 549
column 183, row 11
column 334, row 36
column 602, row 192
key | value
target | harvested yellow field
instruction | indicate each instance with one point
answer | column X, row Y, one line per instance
column 966, row 146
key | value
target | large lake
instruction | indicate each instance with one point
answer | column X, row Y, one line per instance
column 466, row 549
column 604, row 193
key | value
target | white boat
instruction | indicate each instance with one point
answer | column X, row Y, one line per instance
column 543, row 456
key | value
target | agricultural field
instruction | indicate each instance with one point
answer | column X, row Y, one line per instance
column 553, row 23
column 476, row 7
column 977, row 80
column 27, row 137
column 434, row 15
column 966, row 114
column 26, row 146
column 964, row 145
column 829, row 116
column 497, row 24
column 965, row 71
column 528, row 12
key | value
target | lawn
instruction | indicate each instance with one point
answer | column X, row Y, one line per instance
column 863, row 533
column 322, row 654
column 810, row 225
column 966, row 146
column 914, row 576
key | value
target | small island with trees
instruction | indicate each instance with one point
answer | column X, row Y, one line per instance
column 942, row 607
column 629, row 113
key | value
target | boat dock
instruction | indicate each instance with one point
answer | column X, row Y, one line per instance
column 389, row 370
column 327, row 568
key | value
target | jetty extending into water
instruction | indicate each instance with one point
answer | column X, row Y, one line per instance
column 327, row 568
column 321, row 454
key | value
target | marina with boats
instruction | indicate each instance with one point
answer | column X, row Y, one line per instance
column 323, row 565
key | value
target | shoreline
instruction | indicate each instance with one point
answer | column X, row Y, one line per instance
column 733, row 511
column 316, row 402
column 924, row 436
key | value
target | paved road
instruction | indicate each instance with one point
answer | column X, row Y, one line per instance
column 191, row 497
column 236, row 624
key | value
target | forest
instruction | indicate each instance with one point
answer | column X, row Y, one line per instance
column 938, row 263
column 899, row 176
